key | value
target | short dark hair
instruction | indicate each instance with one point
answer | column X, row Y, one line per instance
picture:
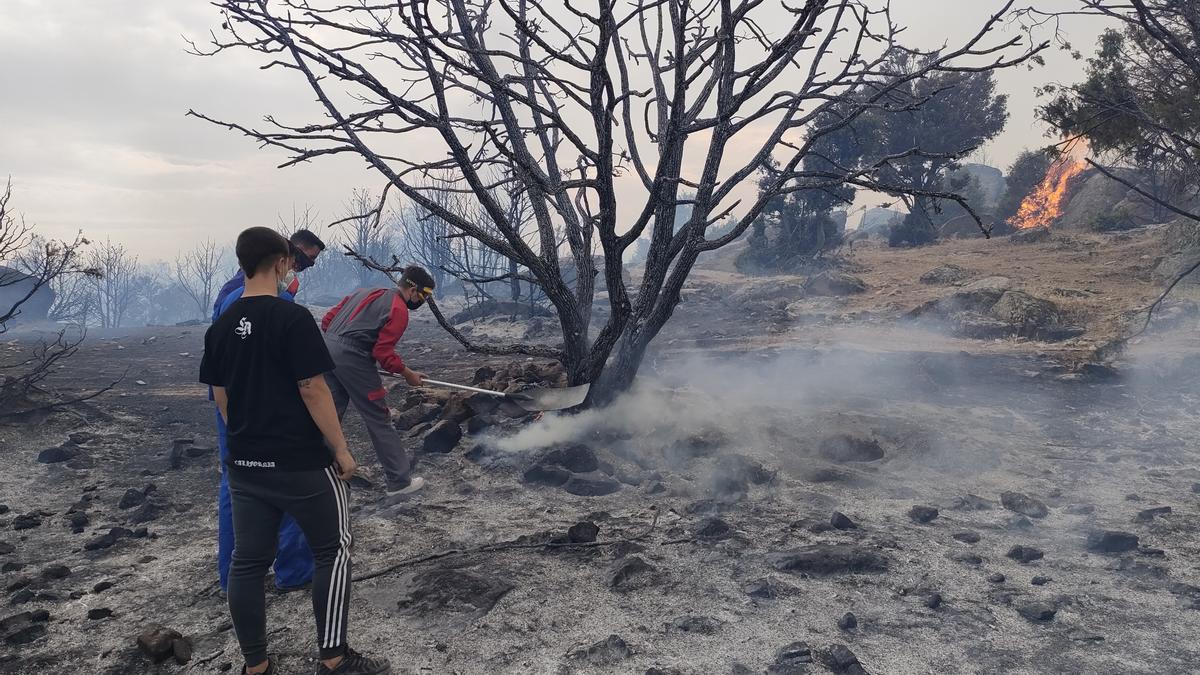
column 417, row 276
column 259, row 247
column 307, row 238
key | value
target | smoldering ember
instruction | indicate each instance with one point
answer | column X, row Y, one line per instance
column 665, row 337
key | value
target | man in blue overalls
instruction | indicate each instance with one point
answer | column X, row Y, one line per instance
column 293, row 560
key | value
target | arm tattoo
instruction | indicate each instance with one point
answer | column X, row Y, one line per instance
column 306, row 383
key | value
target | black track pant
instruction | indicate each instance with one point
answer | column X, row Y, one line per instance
column 319, row 503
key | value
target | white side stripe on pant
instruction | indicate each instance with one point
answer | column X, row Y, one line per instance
column 335, row 610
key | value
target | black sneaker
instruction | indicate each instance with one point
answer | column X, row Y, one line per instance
column 354, row 663
column 269, row 671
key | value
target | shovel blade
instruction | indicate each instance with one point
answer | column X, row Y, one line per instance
column 540, row 400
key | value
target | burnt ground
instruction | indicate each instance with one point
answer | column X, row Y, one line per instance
column 718, row 548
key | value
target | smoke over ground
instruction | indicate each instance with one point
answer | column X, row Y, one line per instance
column 927, row 411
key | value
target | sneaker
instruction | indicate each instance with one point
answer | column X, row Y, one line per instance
column 354, row 663
column 269, row 671
column 415, row 483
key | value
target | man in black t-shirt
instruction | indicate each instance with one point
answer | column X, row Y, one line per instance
column 264, row 358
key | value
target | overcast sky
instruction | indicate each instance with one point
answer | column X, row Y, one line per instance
column 92, row 127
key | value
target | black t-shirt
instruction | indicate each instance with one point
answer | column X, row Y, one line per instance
column 259, row 350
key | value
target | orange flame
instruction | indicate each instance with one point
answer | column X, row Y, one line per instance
column 1045, row 204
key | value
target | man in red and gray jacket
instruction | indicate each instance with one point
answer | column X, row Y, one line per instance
column 361, row 331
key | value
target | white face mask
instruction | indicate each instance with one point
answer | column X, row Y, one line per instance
column 285, row 281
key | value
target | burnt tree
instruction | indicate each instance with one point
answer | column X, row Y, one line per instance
column 587, row 112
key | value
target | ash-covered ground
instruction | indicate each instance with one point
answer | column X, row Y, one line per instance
column 977, row 507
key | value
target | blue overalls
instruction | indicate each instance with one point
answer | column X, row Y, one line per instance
column 293, row 559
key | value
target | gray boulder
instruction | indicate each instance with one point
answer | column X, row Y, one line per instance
column 835, row 283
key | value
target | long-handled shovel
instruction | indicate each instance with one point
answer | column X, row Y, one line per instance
column 537, row 399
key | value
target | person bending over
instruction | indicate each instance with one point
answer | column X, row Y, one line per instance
column 264, row 358
column 361, row 331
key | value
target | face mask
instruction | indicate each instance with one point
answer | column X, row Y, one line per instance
column 414, row 304
column 285, row 282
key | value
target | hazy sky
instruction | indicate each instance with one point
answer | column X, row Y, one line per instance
column 92, row 127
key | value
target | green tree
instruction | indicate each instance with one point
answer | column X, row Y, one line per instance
column 961, row 112
column 1137, row 106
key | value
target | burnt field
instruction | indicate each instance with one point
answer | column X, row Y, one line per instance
column 846, row 495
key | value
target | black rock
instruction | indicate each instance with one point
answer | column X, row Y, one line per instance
column 157, row 643
column 824, row 559
column 26, row 634
column 792, row 658
column 1155, row 552
column 78, row 521
column 583, row 532
column 4, row 507
column 26, row 521
column 40, row 615
column 965, row 557
column 1037, row 612
column 996, row 578
column 608, row 652
column 62, row 453
column 1039, row 581
column 967, row 537
column 546, row 475
column 483, row 375
column 700, row 625
column 150, row 511
column 1195, row 489
column 712, row 528
column 479, row 424
column 6, row 548
column 54, row 572
column 23, row 596
column 1111, row 541
column 1023, row 504
column 840, row 659
column 132, row 497
column 100, row 542
column 99, row 613
column 102, row 586
column 594, row 485
column 848, row 622
column 1025, row 554
column 415, row 417
column 442, row 438
column 923, row 514
column 1019, row 523
column 841, row 521
column 12, row 566
column 482, row 404
column 629, row 573
column 15, row 621
column 181, row 649
column 1148, row 515
column 575, row 458
column 767, row 589
column 933, row 600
